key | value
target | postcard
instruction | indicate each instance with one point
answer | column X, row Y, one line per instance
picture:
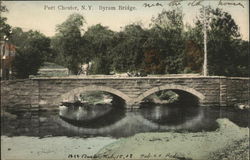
column 125, row 80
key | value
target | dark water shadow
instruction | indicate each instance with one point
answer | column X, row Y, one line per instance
column 169, row 114
column 95, row 116
column 117, row 122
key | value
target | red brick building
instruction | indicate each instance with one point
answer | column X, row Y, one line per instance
column 8, row 52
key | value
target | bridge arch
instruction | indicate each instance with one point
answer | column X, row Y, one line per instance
column 69, row 96
column 170, row 87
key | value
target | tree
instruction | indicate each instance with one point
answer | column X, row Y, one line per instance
column 100, row 41
column 166, row 40
column 18, row 37
column 68, row 42
column 193, row 57
column 101, row 65
column 153, row 63
column 32, row 48
column 5, row 29
column 224, row 43
column 172, row 20
column 242, row 59
column 128, row 53
column 193, row 52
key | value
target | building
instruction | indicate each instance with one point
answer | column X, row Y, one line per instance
column 52, row 70
column 8, row 52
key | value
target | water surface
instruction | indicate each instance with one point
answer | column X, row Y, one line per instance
column 116, row 121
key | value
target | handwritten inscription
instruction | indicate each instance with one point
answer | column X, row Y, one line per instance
column 225, row 3
column 148, row 5
column 84, row 7
column 123, row 156
column 175, row 3
column 85, row 156
column 196, row 3
column 200, row 3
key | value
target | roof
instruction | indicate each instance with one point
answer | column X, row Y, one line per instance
column 49, row 65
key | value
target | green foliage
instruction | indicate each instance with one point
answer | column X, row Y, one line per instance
column 100, row 42
column 31, row 54
column 100, row 38
column 32, row 47
column 226, row 52
column 222, row 48
column 20, row 39
column 168, row 95
column 242, row 59
column 164, row 48
column 193, row 58
column 94, row 97
column 128, row 53
column 193, row 52
column 224, row 45
column 68, row 42
column 153, row 63
column 222, row 24
column 5, row 29
column 166, row 39
column 169, row 20
column 101, row 65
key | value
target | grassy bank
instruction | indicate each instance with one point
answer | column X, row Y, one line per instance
column 229, row 142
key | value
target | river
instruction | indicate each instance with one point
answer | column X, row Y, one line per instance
column 84, row 131
column 115, row 121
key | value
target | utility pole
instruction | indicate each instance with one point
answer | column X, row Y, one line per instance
column 205, row 71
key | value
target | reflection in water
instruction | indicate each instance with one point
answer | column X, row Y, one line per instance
column 158, row 112
column 169, row 114
column 82, row 113
column 91, row 116
column 117, row 122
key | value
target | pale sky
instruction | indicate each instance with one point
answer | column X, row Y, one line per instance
column 37, row 16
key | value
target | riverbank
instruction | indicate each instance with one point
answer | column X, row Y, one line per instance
column 228, row 142
column 50, row 148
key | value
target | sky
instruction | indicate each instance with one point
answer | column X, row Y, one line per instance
column 45, row 15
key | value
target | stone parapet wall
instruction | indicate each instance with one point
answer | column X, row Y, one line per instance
column 16, row 94
column 44, row 93
column 238, row 91
column 133, row 89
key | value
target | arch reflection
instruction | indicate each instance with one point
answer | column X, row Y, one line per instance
column 117, row 122
column 91, row 116
column 169, row 114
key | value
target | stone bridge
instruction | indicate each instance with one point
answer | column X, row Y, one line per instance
column 46, row 92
